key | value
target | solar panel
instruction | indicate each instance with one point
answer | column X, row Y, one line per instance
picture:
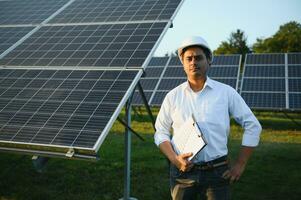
column 294, row 58
column 137, row 99
column 294, row 80
column 258, row 100
column 151, row 78
column 10, row 35
column 110, row 45
column 263, row 83
column 61, row 108
column 265, row 71
column 225, row 69
column 167, row 84
column 83, row 11
column 27, row 11
column 226, row 60
column 295, row 101
column 158, row 61
column 158, row 98
column 294, row 70
column 263, row 59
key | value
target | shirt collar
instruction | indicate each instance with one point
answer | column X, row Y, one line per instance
column 209, row 83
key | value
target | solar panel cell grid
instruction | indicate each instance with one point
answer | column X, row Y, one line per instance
column 294, row 70
column 158, row 61
column 294, row 58
column 60, row 115
column 265, row 100
column 168, row 84
column 294, row 85
column 137, row 99
column 175, row 61
column 259, row 84
column 48, row 48
column 175, row 72
column 264, row 71
column 265, row 59
column 10, row 35
column 226, row 60
column 295, row 100
column 158, row 98
column 28, row 11
column 223, row 71
column 149, row 84
column 83, row 11
column 153, row 72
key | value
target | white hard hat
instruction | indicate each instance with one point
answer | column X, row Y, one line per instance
column 194, row 41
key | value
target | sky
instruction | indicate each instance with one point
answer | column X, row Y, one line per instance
column 214, row 20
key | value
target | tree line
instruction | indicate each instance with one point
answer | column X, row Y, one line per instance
column 286, row 39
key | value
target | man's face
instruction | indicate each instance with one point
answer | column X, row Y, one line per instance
column 195, row 63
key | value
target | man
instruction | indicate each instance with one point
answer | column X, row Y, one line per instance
column 212, row 103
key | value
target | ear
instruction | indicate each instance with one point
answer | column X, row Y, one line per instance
column 208, row 61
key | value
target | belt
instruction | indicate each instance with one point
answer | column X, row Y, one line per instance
column 212, row 164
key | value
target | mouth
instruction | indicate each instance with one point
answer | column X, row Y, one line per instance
column 194, row 69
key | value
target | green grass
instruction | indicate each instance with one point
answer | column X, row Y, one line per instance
column 273, row 171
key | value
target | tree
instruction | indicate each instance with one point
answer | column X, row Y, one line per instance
column 236, row 44
column 286, row 39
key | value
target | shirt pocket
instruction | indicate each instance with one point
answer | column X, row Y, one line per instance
column 216, row 113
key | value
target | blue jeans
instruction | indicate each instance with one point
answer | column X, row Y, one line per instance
column 199, row 184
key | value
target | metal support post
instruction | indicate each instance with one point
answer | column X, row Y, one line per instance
column 127, row 171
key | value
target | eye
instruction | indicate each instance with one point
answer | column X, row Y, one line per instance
column 199, row 57
column 188, row 59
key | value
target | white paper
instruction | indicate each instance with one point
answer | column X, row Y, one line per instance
column 188, row 139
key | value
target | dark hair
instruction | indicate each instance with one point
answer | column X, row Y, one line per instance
column 206, row 51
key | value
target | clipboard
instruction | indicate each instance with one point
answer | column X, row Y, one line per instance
column 189, row 138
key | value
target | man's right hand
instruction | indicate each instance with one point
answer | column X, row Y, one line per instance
column 182, row 162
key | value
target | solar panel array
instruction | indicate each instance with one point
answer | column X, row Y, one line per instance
column 272, row 81
column 67, row 67
column 165, row 73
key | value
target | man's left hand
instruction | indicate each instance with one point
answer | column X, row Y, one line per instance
column 234, row 173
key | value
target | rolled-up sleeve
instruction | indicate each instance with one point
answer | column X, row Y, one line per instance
column 163, row 123
column 243, row 115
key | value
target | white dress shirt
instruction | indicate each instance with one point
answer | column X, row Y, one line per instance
column 212, row 108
